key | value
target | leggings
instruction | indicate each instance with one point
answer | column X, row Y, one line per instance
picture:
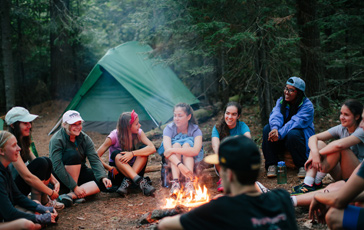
column 41, row 167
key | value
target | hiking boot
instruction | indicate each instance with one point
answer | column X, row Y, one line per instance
column 79, row 201
column 272, row 171
column 123, row 188
column 302, row 189
column 301, row 173
column 147, row 189
column 189, row 188
column 55, row 204
column 174, row 188
column 66, row 200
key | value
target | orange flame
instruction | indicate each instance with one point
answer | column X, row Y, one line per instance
column 201, row 197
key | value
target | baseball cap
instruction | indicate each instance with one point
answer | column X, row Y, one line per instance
column 238, row 153
column 71, row 117
column 297, row 82
column 18, row 113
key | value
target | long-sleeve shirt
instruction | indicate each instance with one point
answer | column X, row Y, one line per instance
column 60, row 143
column 11, row 196
column 303, row 119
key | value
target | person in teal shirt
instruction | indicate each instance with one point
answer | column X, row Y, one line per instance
column 229, row 125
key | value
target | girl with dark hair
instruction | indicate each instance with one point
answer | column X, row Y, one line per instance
column 229, row 125
column 182, row 146
column 339, row 157
column 31, row 174
column 129, row 149
column 10, row 196
column 290, row 126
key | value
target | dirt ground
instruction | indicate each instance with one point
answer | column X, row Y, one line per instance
column 110, row 211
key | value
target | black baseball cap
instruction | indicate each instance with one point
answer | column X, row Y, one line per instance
column 238, row 153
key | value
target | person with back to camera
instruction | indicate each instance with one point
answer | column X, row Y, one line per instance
column 334, row 208
column 290, row 126
column 10, row 196
column 245, row 207
column 341, row 156
column 229, row 125
column 31, row 174
column 129, row 149
column 182, row 146
column 69, row 147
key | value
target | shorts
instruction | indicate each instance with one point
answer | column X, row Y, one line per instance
column 353, row 218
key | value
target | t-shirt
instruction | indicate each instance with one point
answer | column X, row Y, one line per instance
column 240, row 129
column 272, row 210
column 115, row 144
column 340, row 132
column 361, row 171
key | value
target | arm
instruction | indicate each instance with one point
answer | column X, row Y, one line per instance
column 215, row 143
column 248, row 135
column 301, row 120
column 170, row 223
column 340, row 144
column 94, row 159
column 148, row 149
column 102, row 149
column 32, row 180
column 314, row 159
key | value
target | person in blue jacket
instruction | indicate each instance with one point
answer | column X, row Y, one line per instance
column 290, row 126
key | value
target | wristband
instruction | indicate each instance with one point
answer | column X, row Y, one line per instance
column 52, row 193
column 132, row 153
column 179, row 163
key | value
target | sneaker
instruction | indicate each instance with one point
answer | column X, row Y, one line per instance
column 301, row 173
column 55, row 204
column 79, row 201
column 123, row 188
column 272, row 171
column 147, row 189
column 66, row 200
column 302, row 188
column 189, row 188
column 174, row 188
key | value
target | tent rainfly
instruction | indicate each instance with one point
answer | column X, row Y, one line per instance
column 126, row 78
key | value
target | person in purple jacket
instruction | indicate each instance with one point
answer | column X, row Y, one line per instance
column 290, row 126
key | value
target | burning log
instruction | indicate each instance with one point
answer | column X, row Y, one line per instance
column 154, row 216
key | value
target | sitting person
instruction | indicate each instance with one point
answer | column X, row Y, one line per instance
column 10, row 196
column 31, row 174
column 290, row 126
column 182, row 146
column 69, row 147
column 127, row 155
column 339, row 157
column 228, row 126
column 245, row 207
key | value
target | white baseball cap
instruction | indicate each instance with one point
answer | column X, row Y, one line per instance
column 19, row 114
column 71, row 117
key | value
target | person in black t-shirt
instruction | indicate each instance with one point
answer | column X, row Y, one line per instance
column 244, row 207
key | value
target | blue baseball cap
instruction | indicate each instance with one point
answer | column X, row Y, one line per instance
column 297, row 82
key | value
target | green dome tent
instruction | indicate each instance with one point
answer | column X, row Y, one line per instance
column 126, row 79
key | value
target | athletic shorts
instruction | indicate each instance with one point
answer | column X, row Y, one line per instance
column 353, row 218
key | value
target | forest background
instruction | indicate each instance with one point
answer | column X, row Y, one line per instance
column 218, row 48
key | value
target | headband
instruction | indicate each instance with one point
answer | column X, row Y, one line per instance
column 5, row 140
column 133, row 116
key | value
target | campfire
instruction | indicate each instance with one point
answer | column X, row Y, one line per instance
column 180, row 203
column 189, row 200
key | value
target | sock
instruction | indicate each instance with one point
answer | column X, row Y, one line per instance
column 294, row 201
column 319, row 177
column 309, row 180
column 137, row 179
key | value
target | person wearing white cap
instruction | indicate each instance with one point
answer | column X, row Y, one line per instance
column 68, row 149
column 31, row 174
column 290, row 126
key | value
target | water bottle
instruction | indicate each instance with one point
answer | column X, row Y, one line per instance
column 164, row 175
column 282, row 173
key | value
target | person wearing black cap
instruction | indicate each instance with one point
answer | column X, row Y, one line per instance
column 244, row 207
column 290, row 126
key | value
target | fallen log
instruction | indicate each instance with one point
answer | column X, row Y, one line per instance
column 154, row 216
column 153, row 168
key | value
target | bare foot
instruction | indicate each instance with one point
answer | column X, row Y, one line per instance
column 185, row 171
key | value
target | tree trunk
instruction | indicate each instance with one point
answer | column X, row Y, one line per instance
column 311, row 70
column 7, row 54
column 62, row 73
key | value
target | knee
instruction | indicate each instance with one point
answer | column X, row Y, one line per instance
column 25, row 224
column 176, row 145
column 294, row 135
column 333, row 218
column 186, row 145
column 266, row 130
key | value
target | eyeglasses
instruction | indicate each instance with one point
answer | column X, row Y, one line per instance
column 289, row 90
